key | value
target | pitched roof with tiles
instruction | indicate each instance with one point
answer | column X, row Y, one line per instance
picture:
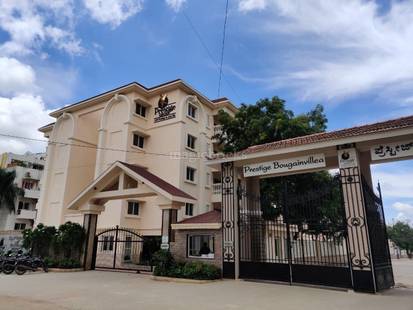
column 168, row 187
column 213, row 216
column 399, row 123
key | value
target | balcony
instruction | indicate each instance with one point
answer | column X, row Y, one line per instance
column 216, row 192
column 32, row 193
column 26, row 214
column 217, row 131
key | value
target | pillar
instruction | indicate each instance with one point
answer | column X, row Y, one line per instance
column 169, row 217
column 230, row 231
column 90, row 219
column 359, row 248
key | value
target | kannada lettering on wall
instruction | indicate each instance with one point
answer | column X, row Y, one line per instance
column 392, row 150
column 285, row 165
column 164, row 110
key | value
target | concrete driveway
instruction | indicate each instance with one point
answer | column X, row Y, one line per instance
column 114, row 290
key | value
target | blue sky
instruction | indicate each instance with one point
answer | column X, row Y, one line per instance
column 354, row 57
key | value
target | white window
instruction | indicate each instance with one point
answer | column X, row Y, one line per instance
column 208, row 179
column 189, row 209
column 138, row 141
column 208, row 148
column 201, row 246
column 190, row 141
column 190, row 174
column 192, row 111
column 140, row 109
column 133, row 207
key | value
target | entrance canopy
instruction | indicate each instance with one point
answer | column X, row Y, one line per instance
column 122, row 181
column 379, row 142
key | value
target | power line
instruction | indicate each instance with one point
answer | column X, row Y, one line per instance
column 199, row 37
column 143, row 152
column 223, row 48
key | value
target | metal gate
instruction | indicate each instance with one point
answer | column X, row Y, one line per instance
column 381, row 260
column 294, row 238
column 123, row 249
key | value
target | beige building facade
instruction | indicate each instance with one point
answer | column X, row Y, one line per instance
column 167, row 129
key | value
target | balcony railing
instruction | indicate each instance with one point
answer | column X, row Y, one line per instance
column 32, row 193
column 26, row 214
column 217, row 129
column 216, row 188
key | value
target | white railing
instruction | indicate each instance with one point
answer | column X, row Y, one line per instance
column 216, row 188
column 32, row 193
column 26, row 214
column 217, row 129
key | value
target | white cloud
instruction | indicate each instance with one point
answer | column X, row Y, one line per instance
column 404, row 211
column 22, row 116
column 32, row 24
column 338, row 48
column 397, row 184
column 113, row 12
column 175, row 5
column 15, row 77
column 250, row 5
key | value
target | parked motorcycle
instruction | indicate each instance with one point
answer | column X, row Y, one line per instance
column 26, row 263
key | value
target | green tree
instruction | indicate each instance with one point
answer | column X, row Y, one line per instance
column 402, row 235
column 8, row 190
column 268, row 121
column 69, row 238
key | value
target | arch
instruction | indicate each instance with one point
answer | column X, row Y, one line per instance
column 194, row 100
column 58, row 125
column 116, row 99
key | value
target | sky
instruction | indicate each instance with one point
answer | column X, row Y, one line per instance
column 354, row 57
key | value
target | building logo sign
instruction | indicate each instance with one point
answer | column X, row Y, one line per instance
column 285, row 165
column 392, row 150
column 347, row 158
column 165, row 110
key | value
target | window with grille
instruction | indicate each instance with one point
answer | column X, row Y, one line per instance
column 138, row 141
column 190, row 174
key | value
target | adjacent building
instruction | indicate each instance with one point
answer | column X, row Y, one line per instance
column 159, row 137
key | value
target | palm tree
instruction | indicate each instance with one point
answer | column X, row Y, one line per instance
column 8, row 190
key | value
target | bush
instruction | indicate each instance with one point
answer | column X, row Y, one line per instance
column 166, row 266
column 65, row 263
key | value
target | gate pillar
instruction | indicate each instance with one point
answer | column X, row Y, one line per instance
column 359, row 249
column 90, row 219
column 169, row 217
column 230, row 231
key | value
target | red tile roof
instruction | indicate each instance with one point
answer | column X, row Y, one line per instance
column 213, row 216
column 399, row 123
column 168, row 187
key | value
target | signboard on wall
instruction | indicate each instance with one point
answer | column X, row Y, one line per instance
column 347, row 158
column 285, row 165
column 392, row 150
column 165, row 110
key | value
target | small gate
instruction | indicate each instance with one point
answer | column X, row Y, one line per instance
column 381, row 259
column 123, row 249
column 295, row 239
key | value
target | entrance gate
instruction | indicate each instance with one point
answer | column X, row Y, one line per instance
column 295, row 239
column 123, row 249
column 381, row 260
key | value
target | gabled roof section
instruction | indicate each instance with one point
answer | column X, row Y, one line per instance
column 210, row 217
column 380, row 127
column 150, row 185
column 168, row 187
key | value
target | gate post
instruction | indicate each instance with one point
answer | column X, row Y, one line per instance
column 230, row 231
column 359, row 248
column 90, row 220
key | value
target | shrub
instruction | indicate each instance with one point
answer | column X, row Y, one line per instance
column 166, row 266
column 65, row 263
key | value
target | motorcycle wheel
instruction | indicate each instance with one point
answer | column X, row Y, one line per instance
column 8, row 268
column 45, row 267
column 20, row 270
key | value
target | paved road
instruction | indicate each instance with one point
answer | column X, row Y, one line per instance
column 112, row 290
column 403, row 272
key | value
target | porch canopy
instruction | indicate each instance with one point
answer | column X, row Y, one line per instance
column 122, row 181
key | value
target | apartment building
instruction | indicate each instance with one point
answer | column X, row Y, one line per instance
column 29, row 169
column 161, row 135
